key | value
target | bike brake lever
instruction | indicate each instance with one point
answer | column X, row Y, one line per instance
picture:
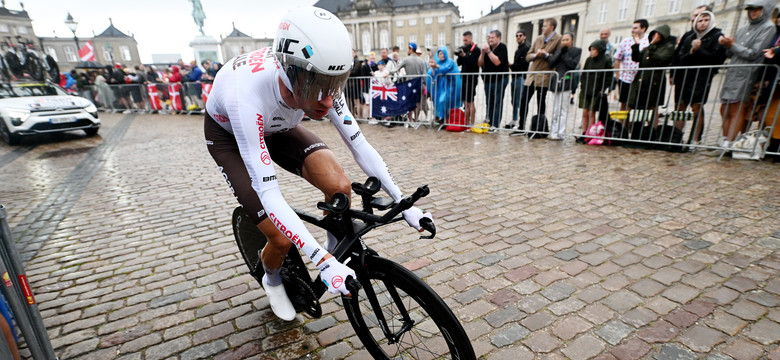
column 353, row 286
column 427, row 225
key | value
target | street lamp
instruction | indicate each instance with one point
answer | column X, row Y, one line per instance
column 72, row 24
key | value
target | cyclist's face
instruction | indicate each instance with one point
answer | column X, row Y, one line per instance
column 313, row 108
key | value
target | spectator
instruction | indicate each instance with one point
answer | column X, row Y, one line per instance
column 381, row 74
column 565, row 59
column 354, row 99
column 625, row 63
column 698, row 47
column 396, row 55
column 175, row 75
column 117, row 78
column 745, row 48
column 105, row 95
column 539, row 55
column 604, row 34
column 446, row 88
column 366, row 71
column 426, row 87
column 772, row 57
column 468, row 60
column 650, row 91
column 195, row 88
column 385, row 56
column 519, row 67
column 494, row 59
column 152, row 75
column 206, row 77
column 413, row 66
column 593, row 84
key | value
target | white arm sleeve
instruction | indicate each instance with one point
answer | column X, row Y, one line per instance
column 247, row 123
column 365, row 155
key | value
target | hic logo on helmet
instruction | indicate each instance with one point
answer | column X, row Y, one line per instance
column 307, row 51
column 322, row 14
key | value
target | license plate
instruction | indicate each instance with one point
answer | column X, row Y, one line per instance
column 62, row 120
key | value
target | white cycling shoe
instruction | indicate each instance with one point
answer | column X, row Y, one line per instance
column 280, row 303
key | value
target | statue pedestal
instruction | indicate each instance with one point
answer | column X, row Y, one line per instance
column 205, row 48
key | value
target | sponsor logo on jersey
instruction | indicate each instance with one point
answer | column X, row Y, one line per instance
column 209, row 142
column 313, row 146
column 307, row 51
column 260, row 130
column 276, row 125
column 284, row 105
column 278, row 118
column 288, row 233
column 220, row 118
column 261, row 213
column 224, row 175
column 269, row 178
column 265, row 158
column 353, row 137
column 284, row 45
column 347, row 120
column 336, row 67
column 338, row 105
column 257, row 60
column 337, row 281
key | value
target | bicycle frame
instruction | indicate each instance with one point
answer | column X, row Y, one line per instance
column 341, row 224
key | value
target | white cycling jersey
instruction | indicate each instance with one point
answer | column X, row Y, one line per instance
column 246, row 101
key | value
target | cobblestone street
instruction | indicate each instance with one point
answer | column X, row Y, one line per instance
column 545, row 249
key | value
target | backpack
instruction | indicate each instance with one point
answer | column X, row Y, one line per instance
column 596, row 129
column 539, row 127
column 670, row 135
column 457, row 121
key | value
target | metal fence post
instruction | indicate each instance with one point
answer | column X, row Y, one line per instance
column 19, row 296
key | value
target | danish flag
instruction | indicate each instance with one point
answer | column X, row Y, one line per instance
column 383, row 92
column 87, row 52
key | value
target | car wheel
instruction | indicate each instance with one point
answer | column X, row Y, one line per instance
column 91, row 131
column 5, row 133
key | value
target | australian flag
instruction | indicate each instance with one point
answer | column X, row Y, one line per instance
column 395, row 99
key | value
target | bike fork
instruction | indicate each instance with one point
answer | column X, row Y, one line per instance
column 380, row 316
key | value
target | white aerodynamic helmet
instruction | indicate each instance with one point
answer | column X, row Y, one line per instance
column 314, row 50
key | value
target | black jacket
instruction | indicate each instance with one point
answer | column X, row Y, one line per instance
column 469, row 59
column 520, row 64
column 564, row 60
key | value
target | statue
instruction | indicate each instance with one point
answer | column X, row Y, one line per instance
column 198, row 15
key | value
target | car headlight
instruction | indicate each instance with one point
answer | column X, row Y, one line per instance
column 17, row 117
column 91, row 108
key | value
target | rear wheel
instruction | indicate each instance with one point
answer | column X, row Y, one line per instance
column 423, row 325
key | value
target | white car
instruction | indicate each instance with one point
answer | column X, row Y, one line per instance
column 37, row 108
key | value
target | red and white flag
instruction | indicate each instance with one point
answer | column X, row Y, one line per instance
column 87, row 52
column 154, row 97
column 174, row 91
column 205, row 93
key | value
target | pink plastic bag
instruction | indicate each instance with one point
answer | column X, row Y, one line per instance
column 596, row 129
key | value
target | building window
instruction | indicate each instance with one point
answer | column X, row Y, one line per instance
column 428, row 40
column 399, row 23
column 21, row 29
column 674, row 6
column 70, row 54
column 442, row 19
column 702, row 3
column 366, row 42
column 442, row 39
column 107, row 56
column 484, row 32
column 52, row 52
column 603, row 13
column 412, row 22
column 413, row 38
column 428, row 20
column 384, row 39
column 3, row 28
column 649, row 8
column 399, row 40
column 623, row 11
column 125, row 50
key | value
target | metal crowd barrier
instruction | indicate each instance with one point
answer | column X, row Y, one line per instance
column 183, row 98
column 16, row 290
column 366, row 95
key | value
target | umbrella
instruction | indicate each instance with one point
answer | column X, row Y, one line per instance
column 89, row 65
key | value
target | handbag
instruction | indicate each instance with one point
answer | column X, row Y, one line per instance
column 750, row 145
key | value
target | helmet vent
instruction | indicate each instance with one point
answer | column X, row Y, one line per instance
column 308, row 67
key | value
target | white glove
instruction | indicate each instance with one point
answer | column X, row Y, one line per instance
column 334, row 274
column 413, row 215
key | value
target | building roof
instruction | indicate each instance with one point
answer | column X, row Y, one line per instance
column 112, row 31
column 15, row 13
column 507, row 6
column 335, row 6
column 237, row 33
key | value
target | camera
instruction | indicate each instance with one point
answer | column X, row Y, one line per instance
column 460, row 51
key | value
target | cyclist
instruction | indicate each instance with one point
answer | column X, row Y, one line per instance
column 252, row 118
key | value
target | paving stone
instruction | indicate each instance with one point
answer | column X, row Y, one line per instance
column 567, row 255
column 542, row 342
column 661, row 305
column 504, row 297
column 741, row 284
column 622, row 301
column 647, row 287
column 470, row 295
column 205, row 351
column 659, row 332
column 700, row 307
column 614, row 331
column 558, row 291
column 597, row 313
column 533, row 303
column 630, row 350
column 568, row 327
column 639, row 317
column 697, row 244
column 681, row 318
column 584, row 347
column 681, row 293
column 667, row 276
column 505, row 315
column 747, row 310
column 537, row 321
column 764, row 298
column 742, row 349
column 722, row 296
column 168, row 348
column 765, row 331
column 674, row 352
column 509, row 336
column 320, row 324
column 701, row 338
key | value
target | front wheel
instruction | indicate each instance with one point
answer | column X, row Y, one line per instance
column 423, row 326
